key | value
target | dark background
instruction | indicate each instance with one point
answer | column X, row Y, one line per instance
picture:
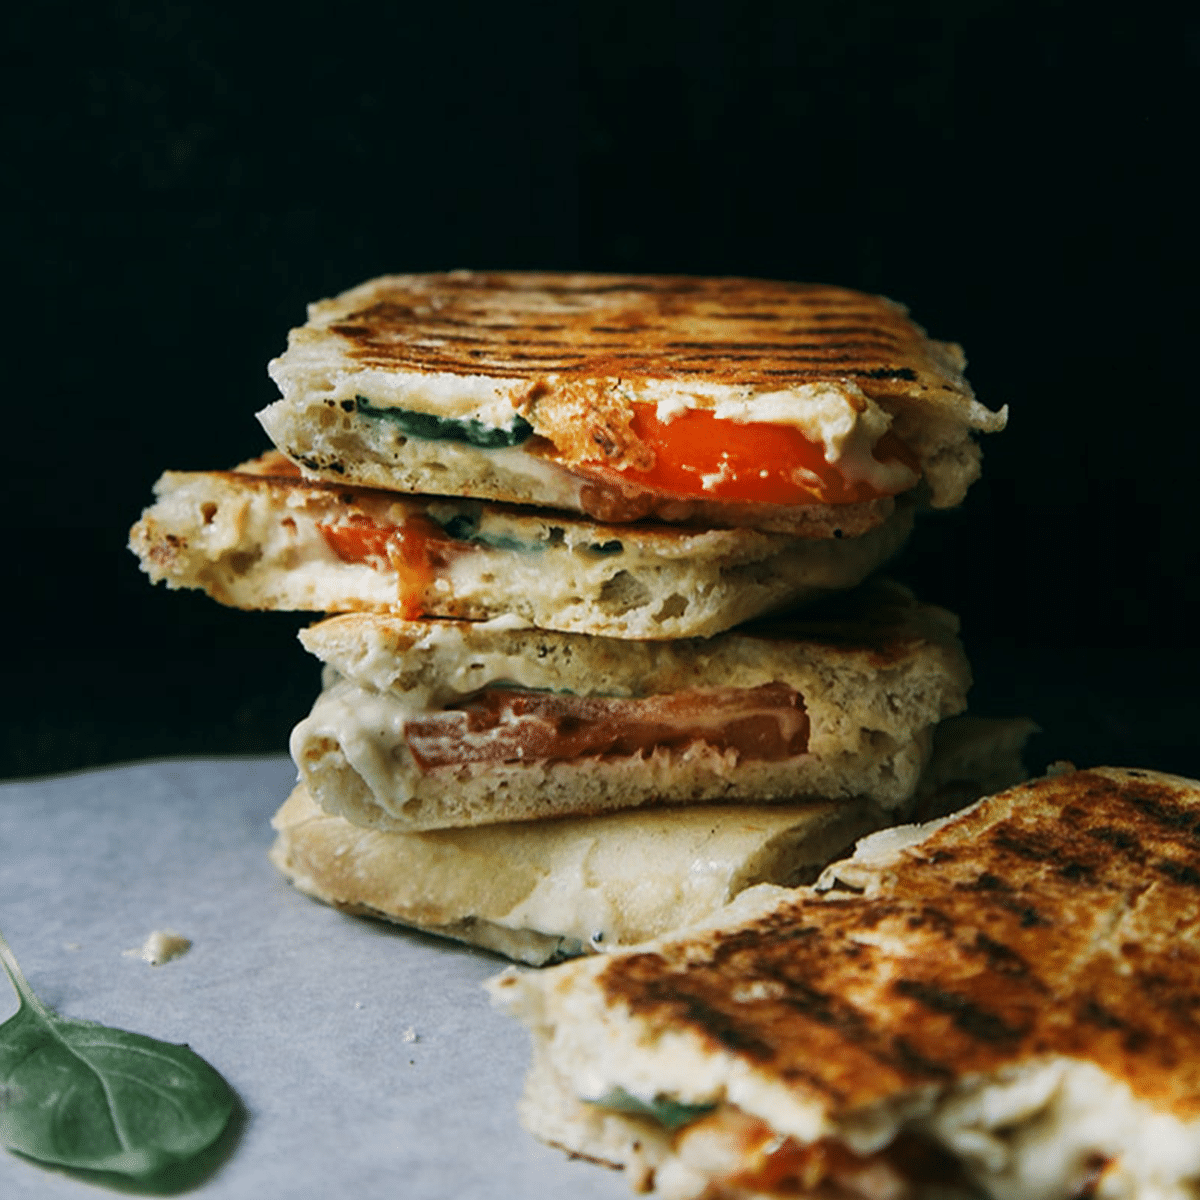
column 181, row 179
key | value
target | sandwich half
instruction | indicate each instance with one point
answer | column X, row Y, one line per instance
column 435, row 724
column 542, row 890
column 262, row 537
column 1004, row 999
column 794, row 408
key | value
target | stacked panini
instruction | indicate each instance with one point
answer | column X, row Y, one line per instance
column 560, row 516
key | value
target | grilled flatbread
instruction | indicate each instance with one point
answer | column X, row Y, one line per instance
column 794, row 408
column 436, row 724
column 541, row 890
column 261, row 537
column 1008, row 995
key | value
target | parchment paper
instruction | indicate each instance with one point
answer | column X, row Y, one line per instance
column 309, row 1014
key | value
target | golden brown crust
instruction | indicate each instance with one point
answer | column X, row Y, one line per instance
column 1059, row 918
column 741, row 332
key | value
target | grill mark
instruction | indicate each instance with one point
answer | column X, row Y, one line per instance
column 466, row 339
column 852, row 363
column 1133, row 1040
column 881, row 373
column 1119, row 839
column 934, row 918
column 607, row 289
column 969, row 1018
column 774, row 346
column 908, row 1058
column 1006, row 960
column 1036, row 847
column 462, row 338
column 905, row 373
column 1029, row 916
column 747, row 316
column 718, row 1025
column 1077, row 872
column 1094, row 1013
column 986, row 882
column 733, row 944
column 822, row 1008
column 1151, row 804
column 857, row 331
column 639, row 981
column 798, row 1075
column 1178, row 872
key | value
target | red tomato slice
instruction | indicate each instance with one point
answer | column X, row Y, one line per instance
column 414, row 551
column 769, row 464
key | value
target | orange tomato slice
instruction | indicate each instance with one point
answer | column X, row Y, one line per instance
column 699, row 455
column 414, row 550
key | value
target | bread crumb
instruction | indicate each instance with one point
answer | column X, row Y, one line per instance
column 160, row 947
column 409, row 1036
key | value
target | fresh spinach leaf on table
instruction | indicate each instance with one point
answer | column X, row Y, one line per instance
column 80, row 1095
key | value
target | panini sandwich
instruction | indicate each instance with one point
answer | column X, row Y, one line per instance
column 435, row 724
column 793, row 408
column 1003, row 999
column 261, row 537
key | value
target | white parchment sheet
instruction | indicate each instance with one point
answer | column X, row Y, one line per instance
column 367, row 1058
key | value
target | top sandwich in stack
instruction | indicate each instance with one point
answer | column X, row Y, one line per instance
column 793, row 408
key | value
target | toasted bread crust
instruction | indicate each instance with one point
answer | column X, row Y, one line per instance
column 580, row 328
column 1059, row 918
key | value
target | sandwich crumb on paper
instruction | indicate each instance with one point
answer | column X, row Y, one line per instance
column 161, row 946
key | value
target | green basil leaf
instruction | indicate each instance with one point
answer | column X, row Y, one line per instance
column 449, row 429
column 80, row 1095
column 663, row 1109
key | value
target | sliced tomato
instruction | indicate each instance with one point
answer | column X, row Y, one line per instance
column 762, row 724
column 414, row 550
column 359, row 542
column 699, row 455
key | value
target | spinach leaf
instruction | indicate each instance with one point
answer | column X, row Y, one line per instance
column 83, row 1096
column 449, row 429
column 663, row 1109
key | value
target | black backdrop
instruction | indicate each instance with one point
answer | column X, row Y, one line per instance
column 182, row 177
